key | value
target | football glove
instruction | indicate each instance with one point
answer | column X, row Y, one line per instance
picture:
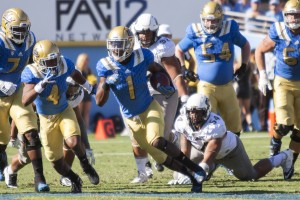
column 190, row 76
column 166, row 90
column 90, row 156
column 240, row 72
column 264, row 82
column 113, row 79
column 8, row 88
column 48, row 79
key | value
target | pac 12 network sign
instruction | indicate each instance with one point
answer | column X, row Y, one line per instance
column 91, row 20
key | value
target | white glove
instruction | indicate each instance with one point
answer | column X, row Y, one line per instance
column 39, row 88
column 15, row 143
column 8, row 88
column 183, row 179
column 90, row 156
column 264, row 82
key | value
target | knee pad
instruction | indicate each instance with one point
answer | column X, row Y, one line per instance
column 283, row 130
column 295, row 136
column 32, row 140
column 160, row 143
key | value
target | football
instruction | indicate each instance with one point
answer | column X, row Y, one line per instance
column 159, row 78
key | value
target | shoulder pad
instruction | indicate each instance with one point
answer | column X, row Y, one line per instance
column 197, row 29
column 7, row 43
column 165, row 47
column 34, row 70
column 226, row 26
column 109, row 64
column 30, row 40
column 281, row 31
column 138, row 56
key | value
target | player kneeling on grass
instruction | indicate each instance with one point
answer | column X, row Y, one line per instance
column 205, row 139
column 45, row 84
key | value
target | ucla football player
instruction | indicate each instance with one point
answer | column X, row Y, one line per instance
column 283, row 39
column 124, row 72
column 145, row 29
column 213, row 40
column 45, row 84
column 16, row 44
column 211, row 144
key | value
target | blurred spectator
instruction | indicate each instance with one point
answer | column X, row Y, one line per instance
column 251, row 15
column 245, row 5
column 82, row 64
column 224, row 4
column 275, row 10
column 234, row 5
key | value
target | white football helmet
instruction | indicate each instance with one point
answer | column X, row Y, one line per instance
column 292, row 7
column 211, row 17
column 198, row 109
column 15, row 25
column 146, row 24
column 46, row 55
column 120, row 43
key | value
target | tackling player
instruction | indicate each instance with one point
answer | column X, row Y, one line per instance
column 208, row 142
column 283, row 38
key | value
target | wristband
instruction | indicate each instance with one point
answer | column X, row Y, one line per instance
column 87, row 87
column 38, row 88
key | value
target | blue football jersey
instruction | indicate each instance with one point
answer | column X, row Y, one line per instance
column 53, row 99
column 286, row 51
column 214, row 52
column 132, row 92
column 14, row 58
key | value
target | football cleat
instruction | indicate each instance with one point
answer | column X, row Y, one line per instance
column 91, row 173
column 65, row 181
column 41, row 186
column 287, row 164
column 275, row 147
column 141, row 178
column 76, row 185
column 10, row 179
column 148, row 169
column 159, row 167
column 196, row 188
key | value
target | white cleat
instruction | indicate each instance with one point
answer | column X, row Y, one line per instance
column 148, row 169
column 65, row 181
column 141, row 178
column 287, row 164
column 10, row 179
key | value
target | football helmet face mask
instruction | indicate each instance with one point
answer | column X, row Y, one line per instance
column 291, row 14
column 120, row 43
column 145, row 28
column 46, row 55
column 211, row 17
column 15, row 25
column 197, row 109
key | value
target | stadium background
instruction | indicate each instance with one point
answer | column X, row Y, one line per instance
column 79, row 26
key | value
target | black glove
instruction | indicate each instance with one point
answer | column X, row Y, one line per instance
column 240, row 72
column 190, row 76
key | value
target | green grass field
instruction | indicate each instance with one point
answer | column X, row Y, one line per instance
column 116, row 166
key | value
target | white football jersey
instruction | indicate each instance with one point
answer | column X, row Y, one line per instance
column 214, row 127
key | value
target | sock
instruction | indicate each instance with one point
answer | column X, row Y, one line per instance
column 278, row 159
column 295, row 156
column 141, row 164
column 71, row 175
column 188, row 163
column 9, row 170
column 37, row 165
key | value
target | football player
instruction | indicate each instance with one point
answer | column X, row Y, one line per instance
column 209, row 143
column 283, row 39
column 74, row 95
column 16, row 44
column 124, row 72
column 45, row 84
column 145, row 29
column 213, row 40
